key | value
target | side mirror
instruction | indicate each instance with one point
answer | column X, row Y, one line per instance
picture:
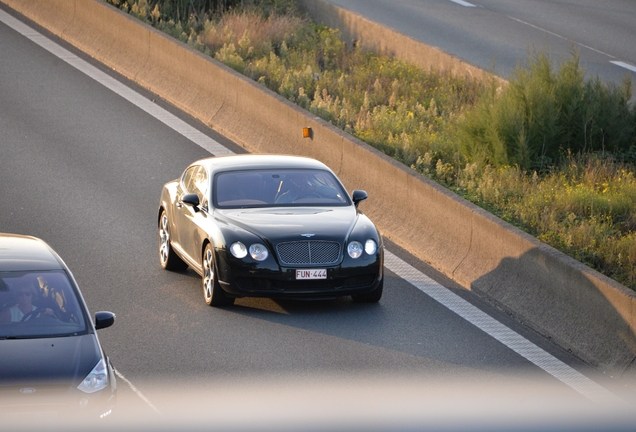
column 358, row 196
column 191, row 199
column 104, row 319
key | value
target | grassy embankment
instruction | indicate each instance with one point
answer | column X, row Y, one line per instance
column 554, row 152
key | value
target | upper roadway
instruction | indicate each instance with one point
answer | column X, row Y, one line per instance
column 496, row 35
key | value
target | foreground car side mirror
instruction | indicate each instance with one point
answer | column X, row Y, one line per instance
column 191, row 199
column 104, row 319
column 358, row 196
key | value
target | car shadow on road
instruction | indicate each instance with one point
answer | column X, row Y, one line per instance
column 406, row 326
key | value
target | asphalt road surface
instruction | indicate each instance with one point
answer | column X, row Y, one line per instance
column 496, row 35
column 82, row 168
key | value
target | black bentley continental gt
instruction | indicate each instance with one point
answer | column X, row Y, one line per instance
column 51, row 363
column 269, row 226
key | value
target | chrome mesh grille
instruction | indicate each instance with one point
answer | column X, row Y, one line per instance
column 308, row 252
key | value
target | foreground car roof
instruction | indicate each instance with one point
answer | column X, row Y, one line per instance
column 19, row 252
column 251, row 161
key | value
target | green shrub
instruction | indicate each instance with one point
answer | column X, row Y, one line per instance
column 543, row 115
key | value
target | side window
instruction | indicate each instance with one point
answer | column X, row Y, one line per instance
column 195, row 180
column 186, row 180
column 200, row 182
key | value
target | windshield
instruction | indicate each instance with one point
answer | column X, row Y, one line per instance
column 274, row 188
column 38, row 304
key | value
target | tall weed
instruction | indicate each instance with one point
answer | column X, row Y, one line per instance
column 543, row 115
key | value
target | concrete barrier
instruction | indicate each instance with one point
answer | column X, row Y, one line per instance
column 580, row 309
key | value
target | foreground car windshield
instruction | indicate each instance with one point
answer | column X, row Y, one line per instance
column 38, row 304
column 267, row 188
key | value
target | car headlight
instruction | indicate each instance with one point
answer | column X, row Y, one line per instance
column 238, row 249
column 370, row 247
column 355, row 249
column 258, row 252
column 96, row 380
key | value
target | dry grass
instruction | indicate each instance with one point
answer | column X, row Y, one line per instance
column 252, row 34
column 585, row 208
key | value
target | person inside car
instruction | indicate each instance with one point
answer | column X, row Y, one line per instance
column 24, row 309
column 299, row 186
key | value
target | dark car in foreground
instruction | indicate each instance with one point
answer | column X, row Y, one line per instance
column 269, row 226
column 51, row 362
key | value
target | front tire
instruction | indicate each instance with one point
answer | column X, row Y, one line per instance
column 168, row 258
column 212, row 291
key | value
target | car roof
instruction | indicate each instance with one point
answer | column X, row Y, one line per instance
column 252, row 161
column 26, row 253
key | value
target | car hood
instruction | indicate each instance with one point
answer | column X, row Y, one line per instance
column 282, row 223
column 60, row 360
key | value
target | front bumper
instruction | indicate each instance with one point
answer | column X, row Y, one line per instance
column 250, row 279
column 28, row 402
column 56, row 399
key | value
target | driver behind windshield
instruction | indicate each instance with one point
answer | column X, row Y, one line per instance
column 299, row 186
column 24, row 308
column 302, row 186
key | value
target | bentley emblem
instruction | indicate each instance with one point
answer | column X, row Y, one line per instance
column 308, row 235
column 27, row 390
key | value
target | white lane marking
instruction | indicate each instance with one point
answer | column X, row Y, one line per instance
column 624, row 65
column 560, row 37
column 137, row 392
column 127, row 93
column 509, row 338
column 500, row 332
column 463, row 3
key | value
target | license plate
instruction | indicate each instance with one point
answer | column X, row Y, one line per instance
column 311, row 274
